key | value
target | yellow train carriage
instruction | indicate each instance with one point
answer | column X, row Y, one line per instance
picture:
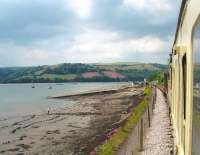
column 184, row 80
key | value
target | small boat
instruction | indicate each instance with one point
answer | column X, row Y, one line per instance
column 50, row 87
column 33, row 85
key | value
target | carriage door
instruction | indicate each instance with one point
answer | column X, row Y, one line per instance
column 196, row 92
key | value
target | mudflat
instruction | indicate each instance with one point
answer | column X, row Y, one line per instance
column 74, row 130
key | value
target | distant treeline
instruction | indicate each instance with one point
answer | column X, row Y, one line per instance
column 74, row 73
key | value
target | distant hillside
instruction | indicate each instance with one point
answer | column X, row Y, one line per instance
column 78, row 72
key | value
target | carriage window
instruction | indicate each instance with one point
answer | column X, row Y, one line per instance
column 184, row 84
column 196, row 92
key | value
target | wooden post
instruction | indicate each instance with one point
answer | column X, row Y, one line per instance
column 149, row 117
column 152, row 104
column 141, row 134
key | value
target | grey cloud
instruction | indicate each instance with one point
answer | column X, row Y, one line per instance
column 26, row 21
column 111, row 15
column 52, row 25
column 29, row 20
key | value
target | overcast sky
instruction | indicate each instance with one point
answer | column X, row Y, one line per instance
column 38, row 32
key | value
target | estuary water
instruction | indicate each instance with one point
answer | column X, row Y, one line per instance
column 22, row 99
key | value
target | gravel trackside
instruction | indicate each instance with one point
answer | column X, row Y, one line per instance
column 158, row 139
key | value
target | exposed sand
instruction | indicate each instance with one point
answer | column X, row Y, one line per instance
column 69, row 130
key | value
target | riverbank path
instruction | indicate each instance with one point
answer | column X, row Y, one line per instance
column 158, row 138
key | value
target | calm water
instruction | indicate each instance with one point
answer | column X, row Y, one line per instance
column 21, row 99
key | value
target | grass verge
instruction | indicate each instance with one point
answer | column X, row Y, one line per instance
column 113, row 144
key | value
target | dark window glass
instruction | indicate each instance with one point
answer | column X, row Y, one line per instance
column 196, row 93
column 184, row 84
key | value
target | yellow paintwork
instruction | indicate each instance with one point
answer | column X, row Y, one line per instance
column 183, row 45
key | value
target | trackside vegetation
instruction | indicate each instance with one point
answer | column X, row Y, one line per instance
column 159, row 76
column 113, row 144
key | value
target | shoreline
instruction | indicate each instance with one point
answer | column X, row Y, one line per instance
column 20, row 100
column 89, row 93
column 70, row 130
